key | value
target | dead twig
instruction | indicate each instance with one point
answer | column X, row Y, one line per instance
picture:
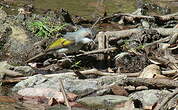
column 99, row 51
column 158, row 41
column 10, row 73
column 95, row 23
column 64, row 95
column 170, row 72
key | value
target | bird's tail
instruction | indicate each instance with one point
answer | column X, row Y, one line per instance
column 35, row 57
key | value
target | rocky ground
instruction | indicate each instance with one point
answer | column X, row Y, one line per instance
column 132, row 63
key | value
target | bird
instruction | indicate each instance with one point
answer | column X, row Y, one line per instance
column 70, row 42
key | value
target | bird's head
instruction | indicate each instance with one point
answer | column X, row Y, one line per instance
column 85, row 32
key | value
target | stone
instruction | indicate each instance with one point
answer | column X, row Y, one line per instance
column 3, row 15
column 71, row 83
column 107, row 101
column 149, row 97
column 25, row 70
column 62, row 107
column 18, row 47
column 5, row 65
column 30, row 82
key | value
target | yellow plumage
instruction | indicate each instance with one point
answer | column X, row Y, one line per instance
column 61, row 42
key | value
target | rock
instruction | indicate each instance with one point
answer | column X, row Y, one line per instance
column 71, row 83
column 107, row 101
column 5, row 65
column 62, row 107
column 10, row 107
column 27, row 70
column 47, row 93
column 6, row 68
column 30, row 82
column 18, row 46
column 149, row 97
column 129, row 63
column 5, row 31
column 3, row 15
column 129, row 105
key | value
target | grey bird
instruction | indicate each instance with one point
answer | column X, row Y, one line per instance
column 69, row 43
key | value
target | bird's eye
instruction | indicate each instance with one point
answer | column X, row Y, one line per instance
column 88, row 35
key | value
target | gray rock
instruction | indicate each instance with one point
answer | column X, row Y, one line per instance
column 55, row 84
column 18, row 46
column 71, row 83
column 39, row 80
column 5, row 65
column 107, row 101
column 30, row 82
column 149, row 97
column 3, row 15
column 62, row 107
column 26, row 70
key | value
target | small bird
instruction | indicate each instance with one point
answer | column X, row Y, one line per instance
column 71, row 42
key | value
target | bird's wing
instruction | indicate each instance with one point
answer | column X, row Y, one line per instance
column 60, row 43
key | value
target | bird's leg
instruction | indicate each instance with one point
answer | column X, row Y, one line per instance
column 67, row 57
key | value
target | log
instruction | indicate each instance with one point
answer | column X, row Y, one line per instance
column 152, row 82
column 132, row 17
column 116, row 35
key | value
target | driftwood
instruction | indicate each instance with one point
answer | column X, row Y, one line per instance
column 152, row 82
column 10, row 73
column 116, row 35
column 131, row 17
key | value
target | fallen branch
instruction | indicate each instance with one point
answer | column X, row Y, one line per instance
column 116, row 35
column 158, row 41
column 132, row 17
column 10, row 73
column 152, row 82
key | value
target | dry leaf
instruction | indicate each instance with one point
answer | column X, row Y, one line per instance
column 150, row 71
column 7, row 99
column 119, row 90
column 52, row 102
